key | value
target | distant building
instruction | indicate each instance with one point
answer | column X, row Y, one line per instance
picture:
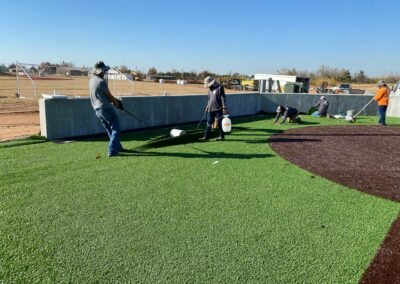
column 47, row 70
column 71, row 71
column 158, row 77
column 113, row 74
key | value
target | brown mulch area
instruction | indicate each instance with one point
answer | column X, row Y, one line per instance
column 385, row 268
column 366, row 158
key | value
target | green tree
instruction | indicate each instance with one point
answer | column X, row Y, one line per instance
column 345, row 76
column 360, row 77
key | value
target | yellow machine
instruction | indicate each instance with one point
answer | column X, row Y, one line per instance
column 249, row 85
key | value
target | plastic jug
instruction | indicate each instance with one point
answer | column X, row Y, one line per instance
column 226, row 124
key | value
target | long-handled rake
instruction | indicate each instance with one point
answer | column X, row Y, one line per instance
column 134, row 116
column 204, row 116
column 173, row 133
column 353, row 118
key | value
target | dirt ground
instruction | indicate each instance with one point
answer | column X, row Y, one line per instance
column 354, row 156
column 19, row 117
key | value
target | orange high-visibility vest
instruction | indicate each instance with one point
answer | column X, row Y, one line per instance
column 382, row 96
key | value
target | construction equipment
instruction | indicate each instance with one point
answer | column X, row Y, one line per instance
column 249, row 85
column 234, row 84
column 295, row 87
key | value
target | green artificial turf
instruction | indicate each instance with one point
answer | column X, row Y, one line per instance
column 23, row 141
column 182, row 212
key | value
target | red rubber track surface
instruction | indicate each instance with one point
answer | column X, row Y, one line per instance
column 366, row 158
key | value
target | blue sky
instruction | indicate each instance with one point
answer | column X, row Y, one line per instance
column 220, row 36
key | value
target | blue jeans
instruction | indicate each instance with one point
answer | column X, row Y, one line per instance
column 210, row 120
column 316, row 113
column 382, row 114
column 109, row 120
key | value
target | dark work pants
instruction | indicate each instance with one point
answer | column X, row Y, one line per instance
column 382, row 114
column 210, row 120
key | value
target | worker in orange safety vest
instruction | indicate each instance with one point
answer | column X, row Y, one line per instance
column 382, row 97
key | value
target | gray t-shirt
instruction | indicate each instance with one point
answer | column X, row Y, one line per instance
column 97, row 89
column 322, row 106
column 216, row 99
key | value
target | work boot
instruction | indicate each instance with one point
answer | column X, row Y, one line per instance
column 220, row 139
column 203, row 139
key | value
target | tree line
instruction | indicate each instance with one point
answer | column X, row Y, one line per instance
column 324, row 74
column 334, row 76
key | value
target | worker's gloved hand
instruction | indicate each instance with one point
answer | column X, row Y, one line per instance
column 120, row 105
column 225, row 110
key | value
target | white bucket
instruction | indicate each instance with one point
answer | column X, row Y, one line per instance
column 226, row 124
column 349, row 115
column 177, row 132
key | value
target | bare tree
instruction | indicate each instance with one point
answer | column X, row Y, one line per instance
column 204, row 74
column 124, row 69
column 152, row 71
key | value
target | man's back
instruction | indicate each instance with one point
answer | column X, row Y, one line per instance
column 97, row 91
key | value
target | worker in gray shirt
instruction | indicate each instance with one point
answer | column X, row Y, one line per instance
column 287, row 112
column 216, row 107
column 322, row 106
column 103, row 103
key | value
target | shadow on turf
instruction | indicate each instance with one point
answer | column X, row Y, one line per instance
column 308, row 123
column 290, row 140
column 192, row 136
column 343, row 135
column 205, row 154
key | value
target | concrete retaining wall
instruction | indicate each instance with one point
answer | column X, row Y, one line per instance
column 303, row 102
column 66, row 118
column 73, row 117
